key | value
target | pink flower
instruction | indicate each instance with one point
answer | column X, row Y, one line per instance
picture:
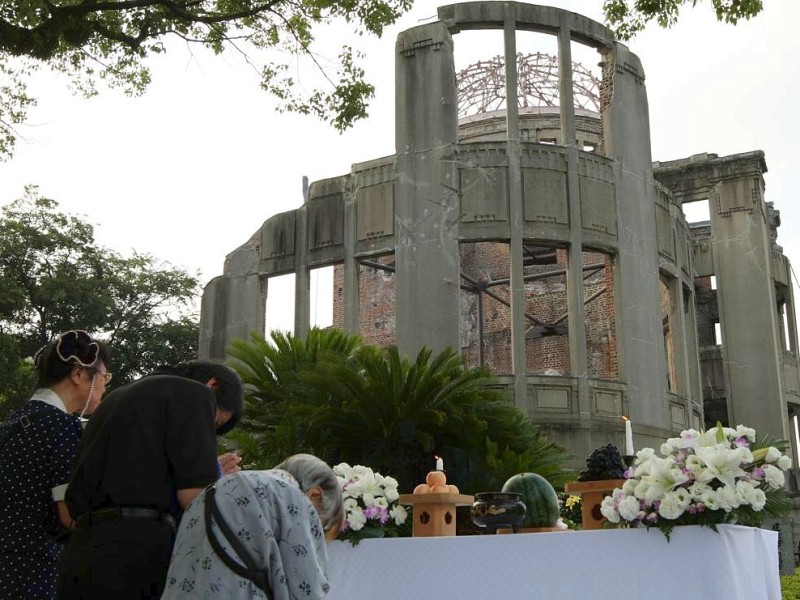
column 378, row 513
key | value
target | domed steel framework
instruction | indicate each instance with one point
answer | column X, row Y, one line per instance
column 482, row 86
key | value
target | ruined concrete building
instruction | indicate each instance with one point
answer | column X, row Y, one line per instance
column 541, row 240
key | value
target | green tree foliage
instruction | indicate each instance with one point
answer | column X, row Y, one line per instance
column 110, row 41
column 54, row 277
column 15, row 375
column 627, row 18
column 51, row 269
column 344, row 401
column 149, row 318
column 14, row 102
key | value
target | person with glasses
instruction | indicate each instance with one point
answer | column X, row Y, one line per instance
column 38, row 444
column 147, row 452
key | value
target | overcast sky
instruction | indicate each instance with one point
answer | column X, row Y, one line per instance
column 191, row 169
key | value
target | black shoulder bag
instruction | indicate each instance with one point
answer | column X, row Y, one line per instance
column 249, row 570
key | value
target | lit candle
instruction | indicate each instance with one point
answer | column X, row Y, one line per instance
column 439, row 463
column 628, row 437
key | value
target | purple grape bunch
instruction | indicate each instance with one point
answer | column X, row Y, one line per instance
column 604, row 463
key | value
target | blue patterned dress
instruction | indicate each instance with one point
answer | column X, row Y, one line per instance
column 37, row 451
column 278, row 524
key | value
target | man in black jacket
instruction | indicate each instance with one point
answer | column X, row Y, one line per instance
column 147, row 452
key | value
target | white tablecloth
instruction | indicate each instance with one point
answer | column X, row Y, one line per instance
column 613, row 564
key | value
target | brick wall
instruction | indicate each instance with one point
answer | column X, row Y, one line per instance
column 338, row 296
column 601, row 328
column 487, row 265
column 377, row 302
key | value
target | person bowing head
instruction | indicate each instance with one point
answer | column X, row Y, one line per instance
column 147, row 452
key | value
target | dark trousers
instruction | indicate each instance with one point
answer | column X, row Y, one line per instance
column 121, row 559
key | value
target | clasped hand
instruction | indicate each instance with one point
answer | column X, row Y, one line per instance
column 229, row 463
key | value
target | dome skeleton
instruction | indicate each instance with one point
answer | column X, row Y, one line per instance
column 481, row 86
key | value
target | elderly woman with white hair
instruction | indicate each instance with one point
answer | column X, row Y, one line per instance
column 259, row 534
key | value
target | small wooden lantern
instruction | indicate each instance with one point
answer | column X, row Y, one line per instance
column 435, row 514
column 592, row 494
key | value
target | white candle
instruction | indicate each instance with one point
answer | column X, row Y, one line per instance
column 628, row 437
column 439, row 463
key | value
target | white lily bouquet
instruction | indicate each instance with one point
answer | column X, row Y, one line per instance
column 722, row 475
column 370, row 503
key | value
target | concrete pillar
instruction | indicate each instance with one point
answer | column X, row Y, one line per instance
column 516, row 215
column 575, row 288
column 426, row 191
column 678, row 332
column 302, row 280
column 751, row 353
column 232, row 305
column 791, row 322
column 694, row 389
column 351, row 284
column 627, row 141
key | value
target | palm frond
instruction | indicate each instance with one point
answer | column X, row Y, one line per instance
column 333, row 396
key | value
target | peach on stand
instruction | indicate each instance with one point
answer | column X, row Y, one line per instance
column 436, row 478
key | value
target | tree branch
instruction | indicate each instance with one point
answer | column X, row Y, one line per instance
column 73, row 25
column 174, row 7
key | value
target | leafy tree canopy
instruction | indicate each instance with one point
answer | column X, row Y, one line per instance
column 15, row 375
column 110, row 41
column 55, row 277
column 627, row 18
column 335, row 397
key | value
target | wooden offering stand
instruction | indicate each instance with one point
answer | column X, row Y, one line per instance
column 435, row 514
column 592, row 494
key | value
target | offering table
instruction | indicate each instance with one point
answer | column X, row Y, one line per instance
column 624, row 564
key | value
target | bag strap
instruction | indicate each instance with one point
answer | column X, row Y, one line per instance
column 250, row 570
column 9, row 428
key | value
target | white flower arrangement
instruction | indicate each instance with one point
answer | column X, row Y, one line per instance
column 370, row 503
column 703, row 478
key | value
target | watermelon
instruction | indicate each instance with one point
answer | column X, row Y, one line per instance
column 540, row 498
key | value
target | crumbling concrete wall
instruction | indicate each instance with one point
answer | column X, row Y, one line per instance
column 417, row 238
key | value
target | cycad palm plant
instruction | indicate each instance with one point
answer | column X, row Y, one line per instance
column 393, row 414
column 272, row 373
column 332, row 396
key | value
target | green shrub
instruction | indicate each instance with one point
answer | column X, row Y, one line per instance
column 790, row 586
